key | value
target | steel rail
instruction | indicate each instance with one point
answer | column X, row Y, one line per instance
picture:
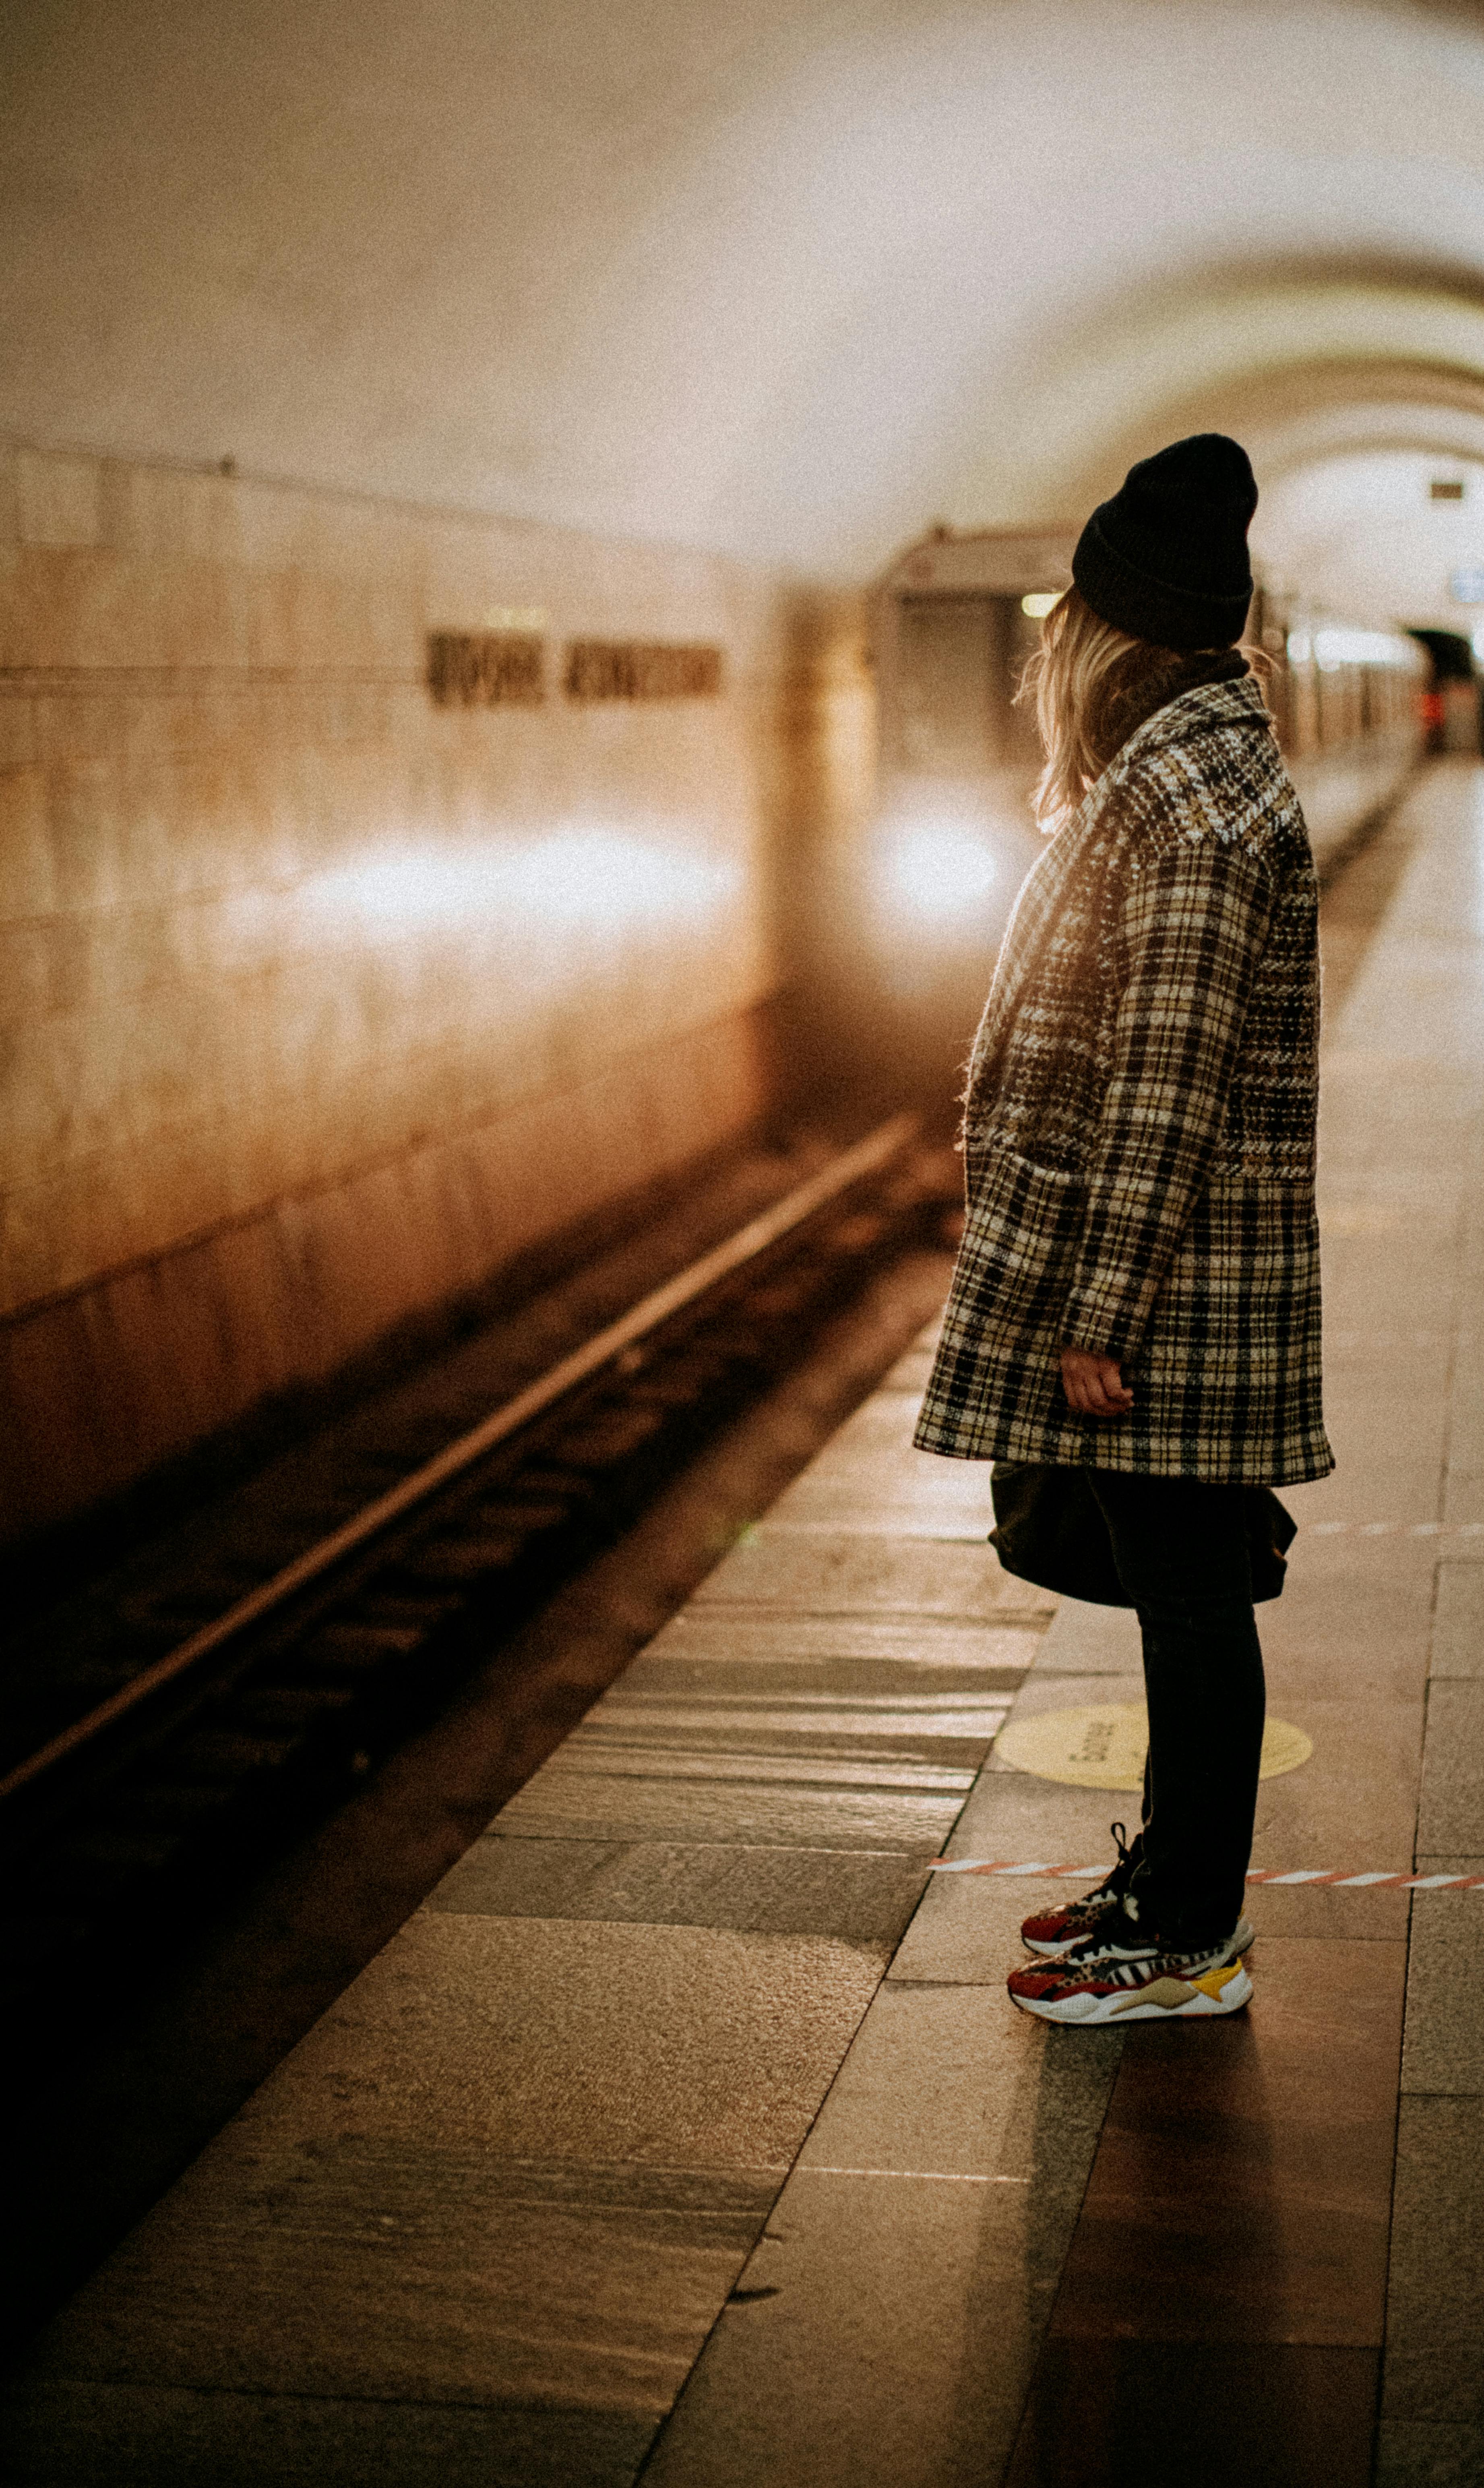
column 866, row 1157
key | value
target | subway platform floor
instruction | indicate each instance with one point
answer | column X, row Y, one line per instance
column 687, row 2133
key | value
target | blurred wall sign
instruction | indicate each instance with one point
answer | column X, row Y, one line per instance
column 637, row 669
column 486, row 668
column 1467, row 586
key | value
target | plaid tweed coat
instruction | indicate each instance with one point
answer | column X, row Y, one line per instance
column 1139, row 1125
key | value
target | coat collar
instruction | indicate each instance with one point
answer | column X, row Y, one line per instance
column 1204, row 709
column 1201, row 710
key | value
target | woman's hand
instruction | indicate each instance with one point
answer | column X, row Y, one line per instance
column 1094, row 1385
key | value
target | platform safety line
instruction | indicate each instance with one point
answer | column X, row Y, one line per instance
column 1339, row 1878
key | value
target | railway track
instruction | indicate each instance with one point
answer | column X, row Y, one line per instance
column 246, row 1709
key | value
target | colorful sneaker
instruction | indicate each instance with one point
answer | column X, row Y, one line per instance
column 1102, row 1922
column 1105, row 1979
column 1052, row 1933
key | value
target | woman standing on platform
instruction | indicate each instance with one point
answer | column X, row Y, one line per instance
column 1136, row 1296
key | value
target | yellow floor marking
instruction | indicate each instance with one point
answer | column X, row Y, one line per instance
column 1102, row 1746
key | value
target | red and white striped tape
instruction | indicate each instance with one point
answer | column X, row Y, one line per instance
column 1372, row 1879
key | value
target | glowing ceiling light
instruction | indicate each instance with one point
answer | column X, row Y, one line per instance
column 938, row 872
column 1039, row 605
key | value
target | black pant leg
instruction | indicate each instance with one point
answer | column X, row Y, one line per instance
column 1181, row 1550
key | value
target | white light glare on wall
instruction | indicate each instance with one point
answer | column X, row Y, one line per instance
column 938, row 872
column 1039, row 605
column 576, row 880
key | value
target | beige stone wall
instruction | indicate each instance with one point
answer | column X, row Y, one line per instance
column 319, row 1002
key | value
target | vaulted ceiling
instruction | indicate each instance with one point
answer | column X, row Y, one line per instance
column 788, row 280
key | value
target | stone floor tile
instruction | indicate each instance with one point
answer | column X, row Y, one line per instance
column 1243, row 2173
column 1051, row 1690
column 1120, row 2414
column 1444, row 2043
column 1084, row 1640
column 1412, row 2454
column 720, row 1687
column 1406, row 1414
column 894, row 1507
column 1435, row 2308
column 1016, row 1815
column 1309, row 1502
column 1404, row 1350
column 879, row 1431
column 1327, row 1916
column 1368, row 1485
column 1342, row 1614
column 841, row 1573
column 859, row 1898
column 526, row 1878
column 682, row 1730
column 409, row 2273
column 1464, row 1495
column 126, row 2435
column 755, row 1640
column 953, row 2081
column 883, row 2331
column 1465, row 1420
column 1354, row 1802
column 873, row 1456
column 677, row 2046
column 1450, row 1813
column 967, row 1931
column 564, row 1805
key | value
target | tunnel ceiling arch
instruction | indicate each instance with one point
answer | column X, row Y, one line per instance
column 787, row 282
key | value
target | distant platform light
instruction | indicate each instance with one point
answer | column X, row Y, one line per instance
column 1039, row 605
column 1467, row 586
column 1446, row 488
column 1476, row 643
column 1337, row 648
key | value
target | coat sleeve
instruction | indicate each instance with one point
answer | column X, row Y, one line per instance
column 1194, row 927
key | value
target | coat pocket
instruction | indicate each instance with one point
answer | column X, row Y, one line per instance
column 1022, row 1227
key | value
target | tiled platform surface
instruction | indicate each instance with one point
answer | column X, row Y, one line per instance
column 686, row 2129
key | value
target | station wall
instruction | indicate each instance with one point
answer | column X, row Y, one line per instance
column 321, row 1001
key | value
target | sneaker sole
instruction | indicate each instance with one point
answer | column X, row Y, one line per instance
column 1241, row 1942
column 1214, row 1994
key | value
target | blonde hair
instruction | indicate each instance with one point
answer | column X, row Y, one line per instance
column 1091, row 685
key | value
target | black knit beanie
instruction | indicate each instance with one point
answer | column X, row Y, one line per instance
column 1167, row 558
